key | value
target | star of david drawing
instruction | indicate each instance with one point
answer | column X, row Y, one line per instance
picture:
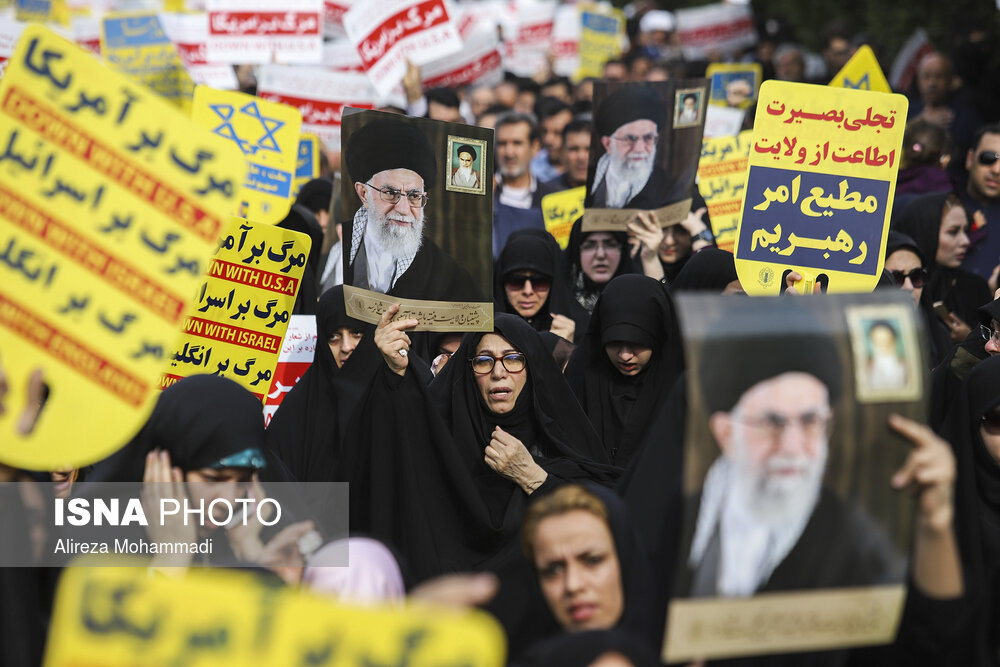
column 265, row 142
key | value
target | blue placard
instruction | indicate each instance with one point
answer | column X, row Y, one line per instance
column 133, row 31
column 268, row 179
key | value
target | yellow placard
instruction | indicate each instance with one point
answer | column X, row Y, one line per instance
column 238, row 318
column 111, row 205
column 306, row 162
column 268, row 134
column 560, row 210
column 602, row 29
column 722, row 172
column 134, row 44
column 121, row 617
column 862, row 72
column 734, row 84
column 820, row 185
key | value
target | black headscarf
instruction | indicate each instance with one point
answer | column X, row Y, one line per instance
column 305, row 432
column 709, row 270
column 585, row 290
column 636, row 309
column 301, row 219
column 415, row 457
column 582, row 649
column 535, row 250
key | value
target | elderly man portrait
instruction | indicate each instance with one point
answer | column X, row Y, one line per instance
column 392, row 166
column 464, row 176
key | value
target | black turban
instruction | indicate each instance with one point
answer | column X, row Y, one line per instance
column 389, row 144
column 466, row 148
column 627, row 104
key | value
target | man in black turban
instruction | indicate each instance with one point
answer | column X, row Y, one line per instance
column 629, row 122
column 392, row 166
column 764, row 520
column 464, row 176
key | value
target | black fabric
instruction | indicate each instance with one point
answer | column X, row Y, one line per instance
column 709, row 270
column 582, row 649
column 897, row 240
column 948, row 376
column 316, row 194
column 388, row 143
column 632, row 308
column 585, row 290
column 415, row 461
column 306, row 430
column 301, row 219
column 627, row 104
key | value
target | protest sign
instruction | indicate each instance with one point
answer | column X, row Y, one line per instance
column 527, row 38
column 565, row 48
column 340, row 55
column 862, row 72
column 644, row 151
column 136, row 45
column 189, row 33
column 478, row 63
column 111, row 204
column 238, row 317
column 833, row 533
column 307, row 162
column 86, row 31
column 601, row 33
column 734, row 84
column 722, row 173
column 297, row 350
column 390, row 33
column 434, row 254
column 560, row 210
column 721, row 28
column 723, row 121
column 268, row 135
column 820, row 186
column 319, row 94
column 333, row 17
column 119, row 617
column 264, row 31
column 10, row 32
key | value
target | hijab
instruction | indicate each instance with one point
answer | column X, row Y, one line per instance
column 709, row 270
column 371, row 577
column 585, row 290
column 635, row 309
column 301, row 219
column 305, row 432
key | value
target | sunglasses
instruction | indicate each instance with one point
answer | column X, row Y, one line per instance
column 517, row 280
column 987, row 158
column 991, row 422
column 916, row 276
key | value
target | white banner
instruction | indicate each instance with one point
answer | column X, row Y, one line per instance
column 566, row 33
column 723, row 27
column 265, row 31
column 528, row 52
column 297, row 350
column 479, row 62
column 340, row 55
column 189, row 33
column 333, row 17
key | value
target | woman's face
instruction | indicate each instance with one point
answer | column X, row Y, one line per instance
column 990, row 430
column 527, row 291
column 676, row 244
column 952, row 240
column 905, row 261
column 208, row 484
column 628, row 358
column 578, row 570
column 499, row 388
column 342, row 343
column 600, row 254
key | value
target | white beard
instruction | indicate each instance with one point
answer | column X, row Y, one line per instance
column 626, row 178
column 397, row 240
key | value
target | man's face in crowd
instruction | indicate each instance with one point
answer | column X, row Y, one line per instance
column 789, row 66
column 934, row 79
column 776, row 437
column 480, row 100
column 397, row 227
column 836, row 54
column 552, row 128
column 515, row 149
column 984, row 180
column 992, row 347
column 438, row 111
column 632, row 149
column 576, row 156
column 615, row 72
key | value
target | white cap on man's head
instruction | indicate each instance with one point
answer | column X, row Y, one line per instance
column 657, row 19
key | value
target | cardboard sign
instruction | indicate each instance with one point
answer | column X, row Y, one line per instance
column 119, row 617
column 307, row 162
column 237, row 321
column 319, row 94
column 297, row 350
column 136, row 45
column 268, row 135
column 565, row 47
column 86, row 31
column 388, row 34
column 601, row 33
column 111, row 205
column 10, row 32
column 341, row 56
column 722, row 173
column 189, row 33
column 560, row 210
column 527, row 39
column 820, row 187
column 333, row 17
column 734, row 84
column 478, row 63
column 725, row 28
column 264, row 31
column 799, row 546
column 862, row 72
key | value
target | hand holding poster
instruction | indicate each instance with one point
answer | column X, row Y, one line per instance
column 722, row 174
column 111, row 204
column 820, row 187
column 797, row 547
column 421, row 229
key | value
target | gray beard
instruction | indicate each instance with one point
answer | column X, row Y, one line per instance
column 635, row 174
column 396, row 240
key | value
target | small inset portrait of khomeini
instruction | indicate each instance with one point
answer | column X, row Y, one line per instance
column 467, row 158
column 688, row 107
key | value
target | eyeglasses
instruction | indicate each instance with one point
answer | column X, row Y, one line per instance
column 987, row 158
column 813, row 424
column 917, row 277
column 609, row 246
column 633, row 139
column 484, row 363
column 989, row 334
column 517, row 280
column 414, row 198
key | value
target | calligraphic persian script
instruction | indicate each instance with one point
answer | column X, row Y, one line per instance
column 722, row 172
